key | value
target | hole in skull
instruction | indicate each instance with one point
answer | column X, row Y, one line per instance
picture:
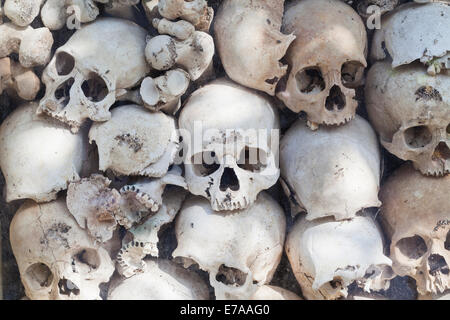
column 336, row 283
column 437, row 264
column 447, row 242
column 253, row 159
column 412, row 247
column 62, row 93
column 229, row 180
column 39, row 276
column 87, row 259
column 335, row 100
column 94, row 88
column 428, row 93
column 231, row 276
column 205, row 163
column 351, row 74
column 67, row 287
column 64, row 63
column 418, row 137
column 442, row 152
column 310, row 80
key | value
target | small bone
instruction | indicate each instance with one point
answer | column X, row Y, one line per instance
column 22, row 81
column 55, row 14
column 22, row 12
column 180, row 29
column 32, row 45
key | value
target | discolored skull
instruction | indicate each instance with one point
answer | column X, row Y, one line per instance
column 420, row 249
column 84, row 78
column 327, row 256
column 327, row 60
column 231, row 137
column 411, row 112
column 57, row 259
column 240, row 249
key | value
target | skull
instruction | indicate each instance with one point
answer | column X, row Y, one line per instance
column 411, row 111
column 163, row 280
column 344, row 174
column 327, row 256
column 421, row 249
column 415, row 32
column 57, row 259
column 84, row 79
column 252, row 27
column 232, row 153
column 327, row 60
column 240, row 249
column 38, row 157
column 136, row 142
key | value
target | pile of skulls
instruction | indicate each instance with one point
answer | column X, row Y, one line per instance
column 139, row 130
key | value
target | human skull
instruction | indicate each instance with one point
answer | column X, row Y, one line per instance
column 136, row 142
column 334, row 171
column 84, row 78
column 38, row 157
column 327, row 60
column 252, row 27
column 230, row 134
column 57, row 259
column 420, row 249
column 411, row 112
column 240, row 249
column 327, row 256
column 415, row 32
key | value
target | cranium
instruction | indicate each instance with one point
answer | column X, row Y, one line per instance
column 84, row 78
column 415, row 32
column 38, row 156
column 327, row 256
column 416, row 217
column 56, row 258
column 231, row 138
column 411, row 111
column 136, row 142
column 240, row 249
column 327, row 60
column 250, row 43
column 334, row 171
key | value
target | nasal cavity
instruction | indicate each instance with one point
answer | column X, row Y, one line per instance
column 229, row 180
column 437, row 264
column 442, row 151
column 336, row 99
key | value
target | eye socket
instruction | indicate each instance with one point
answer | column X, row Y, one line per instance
column 352, row 73
column 39, row 276
column 418, row 137
column 94, row 88
column 252, row 159
column 205, row 163
column 412, row 247
column 310, row 80
column 64, row 63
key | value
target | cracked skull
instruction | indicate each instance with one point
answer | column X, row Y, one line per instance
column 240, row 250
column 327, row 60
column 84, row 78
column 230, row 137
column 411, row 112
column 57, row 259
column 421, row 249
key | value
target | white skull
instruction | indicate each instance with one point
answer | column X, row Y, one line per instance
column 163, row 280
column 416, row 217
column 411, row 111
column 415, row 32
column 231, row 136
column 250, row 43
column 136, row 142
column 334, row 171
column 56, row 258
column 240, row 249
column 327, row 60
column 38, row 156
column 327, row 256
column 92, row 69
